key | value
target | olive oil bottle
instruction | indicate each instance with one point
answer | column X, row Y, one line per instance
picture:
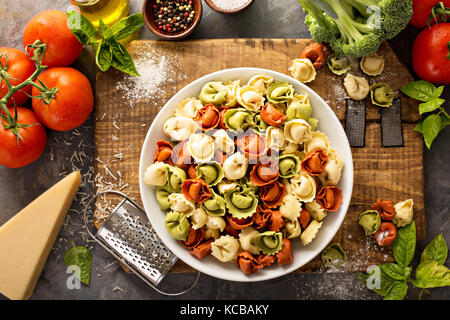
column 110, row 11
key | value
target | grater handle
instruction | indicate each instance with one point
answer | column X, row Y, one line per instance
column 118, row 257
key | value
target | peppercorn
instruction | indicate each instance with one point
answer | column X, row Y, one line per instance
column 173, row 16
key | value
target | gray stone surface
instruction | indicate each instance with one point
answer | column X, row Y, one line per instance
column 263, row 19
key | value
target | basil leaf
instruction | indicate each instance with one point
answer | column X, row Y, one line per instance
column 405, row 244
column 127, row 26
column 431, row 274
column 104, row 56
column 445, row 120
column 436, row 250
column 121, row 59
column 431, row 128
column 104, row 30
column 80, row 257
column 419, row 127
column 420, row 90
column 376, row 280
column 81, row 27
column 430, row 105
column 438, row 92
column 396, row 271
column 397, row 291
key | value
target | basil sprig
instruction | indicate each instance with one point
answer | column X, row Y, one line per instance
column 391, row 279
column 80, row 257
column 429, row 95
column 109, row 51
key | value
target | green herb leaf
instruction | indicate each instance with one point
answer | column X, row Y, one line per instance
column 104, row 30
column 419, row 127
column 420, row 90
column 396, row 271
column 438, row 92
column 376, row 280
column 121, row 59
column 80, row 257
column 127, row 26
column 445, row 120
column 436, row 250
column 430, row 128
column 397, row 291
column 431, row 274
column 81, row 27
column 405, row 244
column 430, row 105
column 104, row 56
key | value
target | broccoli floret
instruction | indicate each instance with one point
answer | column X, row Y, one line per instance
column 356, row 28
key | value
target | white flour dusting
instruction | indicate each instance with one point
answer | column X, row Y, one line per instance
column 230, row 4
column 157, row 73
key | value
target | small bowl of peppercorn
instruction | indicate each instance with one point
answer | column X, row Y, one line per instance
column 172, row 19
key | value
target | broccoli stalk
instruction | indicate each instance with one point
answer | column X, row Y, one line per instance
column 356, row 28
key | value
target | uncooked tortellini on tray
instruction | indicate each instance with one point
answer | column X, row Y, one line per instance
column 243, row 175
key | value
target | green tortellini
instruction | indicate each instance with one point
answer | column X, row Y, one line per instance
column 370, row 220
column 177, row 225
column 313, row 122
column 175, row 178
column 211, row 172
column 241, row 203
column 298, row 110
column 289, row 165
column 213, row 92
column 259, row 124
column 247, row 184
column 382, row 94
column 280, row 92
column 334, row 256
column 162, row 196
column 269, row 242
column 239, row 119
column 338, row 65
column 215, row 205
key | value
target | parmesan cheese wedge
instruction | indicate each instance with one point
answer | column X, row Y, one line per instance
column 27, row 238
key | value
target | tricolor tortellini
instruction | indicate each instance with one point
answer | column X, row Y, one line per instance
column 245, row 186
column 357, row 87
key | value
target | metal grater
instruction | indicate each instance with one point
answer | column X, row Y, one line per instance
column 129, row 237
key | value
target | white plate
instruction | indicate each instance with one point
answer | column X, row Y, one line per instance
column 328, row 123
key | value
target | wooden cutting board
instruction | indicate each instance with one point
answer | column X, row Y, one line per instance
column 122, row 121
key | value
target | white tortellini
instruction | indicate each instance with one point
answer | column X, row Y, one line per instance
column 188, row 108
column 198, row 218
column 333, row 169
column 260, row 82
column 247, row 240
column 250, row 98
column 357, row 87
column 310, row 232
column 212, row 233
column 225, row 248
column 179, row 203
column 232, row 90
column 293, row 229
column 223, row 141
column 290, row 148
column 201, row 147
column 316, row 211
column 235, row 166
column 226, row 185
column 290, row 207
column 215, row 222
column 303, row 70
column 156, row 174
column 372, row 65
column 304, row 187
column 403, row 213
column 275, row 138
column 180, row 128
column 318, row 141
column 297, row 131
